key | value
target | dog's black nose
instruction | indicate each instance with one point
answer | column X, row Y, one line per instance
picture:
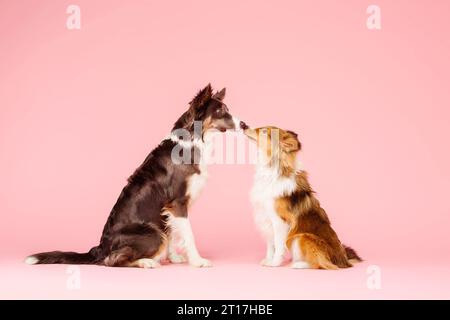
column 243, row 125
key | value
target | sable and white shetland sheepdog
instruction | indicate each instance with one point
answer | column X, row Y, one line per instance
column 150, row 218
column 286, row 210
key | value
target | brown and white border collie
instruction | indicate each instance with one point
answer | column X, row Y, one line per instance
column 286, row 210
column 149, row 221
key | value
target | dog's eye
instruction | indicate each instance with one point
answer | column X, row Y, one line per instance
column 219, row 112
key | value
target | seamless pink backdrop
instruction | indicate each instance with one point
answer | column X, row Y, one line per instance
column 80, row 110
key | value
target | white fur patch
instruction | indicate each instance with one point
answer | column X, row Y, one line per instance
column 237, row 124
column 147, row 263
column 197, row 182
column 300, row 265
column 268, row 185
column 181, row 227
column 176, row 258
column 31, row 260
column 186, row 143
column 173, row 249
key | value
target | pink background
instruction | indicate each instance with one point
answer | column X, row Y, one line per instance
column 80, row 110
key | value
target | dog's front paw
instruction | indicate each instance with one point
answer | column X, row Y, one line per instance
column 176, row 258
column 265, row 261
column 271, row 262
column 200, row 263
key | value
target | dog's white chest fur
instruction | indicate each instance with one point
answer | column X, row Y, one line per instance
column 267, row 187
column 197, row 181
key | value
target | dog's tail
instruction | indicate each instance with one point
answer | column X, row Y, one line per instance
column 58, row 257
column 352, row 255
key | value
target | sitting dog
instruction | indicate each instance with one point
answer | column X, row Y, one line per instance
column 152, row 210
column 286, row 210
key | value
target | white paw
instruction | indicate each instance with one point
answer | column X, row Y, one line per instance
column 176, row 258
column 265, row 261
column 148, row 263
column 200, row 263
column 300, row 265
column 271, row 262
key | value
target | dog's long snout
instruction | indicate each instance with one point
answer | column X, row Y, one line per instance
column 249, row 132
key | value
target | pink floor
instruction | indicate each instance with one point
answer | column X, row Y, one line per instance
column 238, row 279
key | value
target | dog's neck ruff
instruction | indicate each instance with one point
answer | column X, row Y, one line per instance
column 193, row 142
column 266, row 167
column 269, row 180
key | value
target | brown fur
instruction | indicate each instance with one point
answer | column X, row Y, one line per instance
column 136, row 227
column 310, row 226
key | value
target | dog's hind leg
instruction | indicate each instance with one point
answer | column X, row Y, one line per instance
column 297, row 257
column 315, row 251
column 122, row 257
column 155, row 261
column 141, row 246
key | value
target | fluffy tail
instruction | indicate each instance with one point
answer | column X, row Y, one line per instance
column 58, row 257
column 352, row 255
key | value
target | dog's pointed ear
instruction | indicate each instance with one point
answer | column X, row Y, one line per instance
column 220, row 94
column 202, row 96
column 290, row 142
